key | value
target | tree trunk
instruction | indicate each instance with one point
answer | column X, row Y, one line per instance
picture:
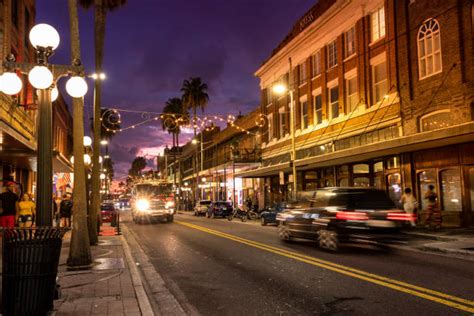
column 177, row 139
column 99, row 35
column 79, row 251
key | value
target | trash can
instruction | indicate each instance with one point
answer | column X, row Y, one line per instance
column 30, row 266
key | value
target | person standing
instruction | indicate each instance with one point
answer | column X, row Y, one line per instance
column 65, row 210
column 9, row 201
column 409, row 203
column 26, row 212
column 433, row 215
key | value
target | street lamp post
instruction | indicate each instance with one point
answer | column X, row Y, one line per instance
column 280, row 89
column 42, row 75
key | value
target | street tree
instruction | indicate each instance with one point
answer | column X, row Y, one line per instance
column 138, row 164
column 174, row 116
column 79, row 251
column 195, row 96
column 101, row 8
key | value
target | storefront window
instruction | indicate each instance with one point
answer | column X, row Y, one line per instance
column 393, row 162
column 394, row 182
column 363, row 182
column 361, row 168
column 425, row 179
column 378, row 166
column 344, row 182
column 451, row 190
column 343, row 170
column 471, row 186
column 378, row 182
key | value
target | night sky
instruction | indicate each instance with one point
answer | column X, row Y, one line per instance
column 153, row 45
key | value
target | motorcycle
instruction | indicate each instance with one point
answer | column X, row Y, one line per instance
column 238, row 213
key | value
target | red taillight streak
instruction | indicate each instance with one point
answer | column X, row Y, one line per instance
column 352, row 216
column 401, row 216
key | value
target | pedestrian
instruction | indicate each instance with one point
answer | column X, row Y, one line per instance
column 55, row 210
column 433, row 215
column 65, row 211
column 9, row 201
column 26, row 211
column 248, row 203
column 409, row 203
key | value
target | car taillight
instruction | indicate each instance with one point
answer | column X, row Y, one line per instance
column 352, row 216
column 401, row 216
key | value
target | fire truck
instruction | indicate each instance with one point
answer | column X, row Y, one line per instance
column 153, row 202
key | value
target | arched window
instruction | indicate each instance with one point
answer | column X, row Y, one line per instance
column 429, row 49
column 436, row 120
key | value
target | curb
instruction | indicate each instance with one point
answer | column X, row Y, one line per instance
column 431, row 236
column 163, row 301
column 140, row 293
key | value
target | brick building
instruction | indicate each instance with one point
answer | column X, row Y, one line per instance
column 383, row 97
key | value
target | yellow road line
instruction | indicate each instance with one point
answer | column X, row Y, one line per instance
column 435, row 296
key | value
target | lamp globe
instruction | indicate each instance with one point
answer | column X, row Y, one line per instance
column 44, row 35
column 40, row 77
column 76, row 87
column 11, row 83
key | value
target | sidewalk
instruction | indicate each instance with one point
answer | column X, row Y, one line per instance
column 110, row 287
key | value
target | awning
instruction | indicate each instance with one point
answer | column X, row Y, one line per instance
column 61, row 164
column 426, row 140
column 265, row 171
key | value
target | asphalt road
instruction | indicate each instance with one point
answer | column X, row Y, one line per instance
column 217, row 267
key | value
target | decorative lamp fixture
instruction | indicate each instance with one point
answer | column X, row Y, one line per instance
column 102, row 176
column 11, row 83
column 40, row 77
column 87, row 141
column 44, row 36
column 76, row 87
column 54, row 94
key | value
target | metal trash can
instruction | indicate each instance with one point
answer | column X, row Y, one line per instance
column 30, row 266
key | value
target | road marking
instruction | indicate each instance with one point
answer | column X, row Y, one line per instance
column 432, row 295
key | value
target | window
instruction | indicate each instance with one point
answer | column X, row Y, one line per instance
column 393, row 162
column 429, row 49
column 451, row 199
column 394, row 182
column 304, row 114
column 270, row 126
column 361, row 168
column 282, row 116
column 334, row 101
column 379, row 81
column 352, row 98
column 425, row 179
column 332, row 54
column 378, row 24
column 269, row 94
column 318, row 109
column 378, row 166
column 302, row 72
column 437, row 120
column 362, row 182
column 316, row 64
column 349, row 40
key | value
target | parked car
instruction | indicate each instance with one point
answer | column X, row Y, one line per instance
column 108, row 212
column 269, row 214
column 340, row 215
column 219, row 209
column 202, row 207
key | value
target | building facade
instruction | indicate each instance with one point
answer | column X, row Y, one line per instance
column 383, row 97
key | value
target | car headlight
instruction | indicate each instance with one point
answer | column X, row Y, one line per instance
column 143, row 205
column 169, row 204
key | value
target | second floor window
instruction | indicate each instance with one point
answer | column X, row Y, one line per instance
column 270, row 127
column 352, row 99
column 318, row 109
column 269, row 94
column 304, row 114
column 379, row 81
column 349, row 40
column 378, row 24
column 302, row 72
column 316, row 64
column 429, row 49
column 332, row 54
column 334, row 101
column 282, row 116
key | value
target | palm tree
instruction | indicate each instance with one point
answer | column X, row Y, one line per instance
column 195, row 96
column 174, row 116
column 101, row 7
column 79, row 251
column 138, row 164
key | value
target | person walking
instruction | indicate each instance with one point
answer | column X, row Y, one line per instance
column 65, row 210
column 9, row 201
column 26, row 211
column 409, row 203
column 433, row 215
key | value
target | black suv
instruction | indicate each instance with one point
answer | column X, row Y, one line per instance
column 335, row 215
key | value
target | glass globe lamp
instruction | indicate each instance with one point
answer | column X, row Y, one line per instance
column 40, row 77
column 54, row 94
column 11, row 83
column 76, row 87
column 44, row 35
